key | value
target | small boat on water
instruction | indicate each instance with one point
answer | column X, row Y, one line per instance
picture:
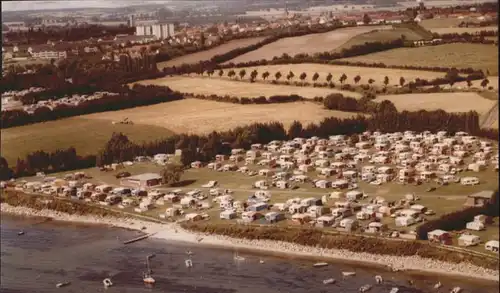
column 238, row 258
column 189, row 263
column 365, row 288
column 261, row 261
column 20, row 233
column 348, row 274
column 107, row 282
column 437, row 285
column 148, row 280
column 456, row 290
column 329, row 281
column 378, row 279
column 394, row 290
column 189, row 252
column 63, row 284
column 320, row 264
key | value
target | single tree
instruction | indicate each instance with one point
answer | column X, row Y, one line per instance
column 402, row 81
column 303, row 76
column 231, row 73
column 171, row 173
column 315, row 76
column 357, row 78
column 386, row 81
column 242, row 73
column 469, row 83
column 290, row 76
column 371, row 81
column 253, row 75
column 265, row 75
column 277, row 75
column 343, row 78
column 221, row 73
column 329, row 77
column 366, row 19
column 485, row 83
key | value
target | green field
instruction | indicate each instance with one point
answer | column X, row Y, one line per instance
column 86, row 135
column 476, row 56
column 381, row 36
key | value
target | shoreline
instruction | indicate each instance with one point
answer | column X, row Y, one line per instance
column 412, row 265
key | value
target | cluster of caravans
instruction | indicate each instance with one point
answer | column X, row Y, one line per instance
column 377, row 158
column 466, row 238
column 74, row 100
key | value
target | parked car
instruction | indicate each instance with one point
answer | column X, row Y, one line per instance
column 122, row 175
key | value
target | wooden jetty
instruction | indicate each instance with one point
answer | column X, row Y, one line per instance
column 138, row 238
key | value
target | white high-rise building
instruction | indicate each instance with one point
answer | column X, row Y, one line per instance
column 161, row 31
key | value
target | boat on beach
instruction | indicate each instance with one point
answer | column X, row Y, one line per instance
column 329, row 281
column 63, row 284
column 107, row 282
column 394, row 290
column 320, row 264
column 365, row 288
column 348, row 274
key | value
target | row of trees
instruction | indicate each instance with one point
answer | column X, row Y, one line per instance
column 245, row 101
column 126, row 98
column 69, row 34
column 83, row 72
column 204, row 148
column 215, row 62
column 40, row 161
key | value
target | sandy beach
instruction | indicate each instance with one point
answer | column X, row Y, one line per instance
column 173, row 232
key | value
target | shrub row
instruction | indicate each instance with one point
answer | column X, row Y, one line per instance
column 457, row 220
column 139, row 95
column 14, row 198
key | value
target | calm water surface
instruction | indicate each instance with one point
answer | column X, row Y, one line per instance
column 53, row 252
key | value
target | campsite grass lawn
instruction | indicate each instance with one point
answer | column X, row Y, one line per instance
column 443, row 200
column 88, row 136
column 476, row 56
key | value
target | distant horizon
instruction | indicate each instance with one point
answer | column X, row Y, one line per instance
column 71, row 4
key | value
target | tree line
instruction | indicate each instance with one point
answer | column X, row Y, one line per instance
column 71, row 34
column 49, row 162
column 138, row 95
column 204, row 147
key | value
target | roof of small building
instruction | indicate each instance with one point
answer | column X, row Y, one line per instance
column 488, row 194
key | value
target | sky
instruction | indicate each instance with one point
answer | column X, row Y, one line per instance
column 43, row 5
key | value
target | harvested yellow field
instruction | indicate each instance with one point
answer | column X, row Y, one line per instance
column 377, row 74
column 202, row 116
column 214, row 85
column 477, row 56
column 461, row 30
column 449, row 102
column 312, row 43
column 208, row 54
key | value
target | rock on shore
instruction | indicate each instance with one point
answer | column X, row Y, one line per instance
column 176, row 233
